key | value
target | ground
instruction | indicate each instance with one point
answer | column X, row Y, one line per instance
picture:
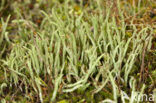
column 77, row 51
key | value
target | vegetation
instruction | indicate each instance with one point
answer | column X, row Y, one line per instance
column 82, row 51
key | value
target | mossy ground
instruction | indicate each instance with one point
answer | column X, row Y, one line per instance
column 15, row 88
